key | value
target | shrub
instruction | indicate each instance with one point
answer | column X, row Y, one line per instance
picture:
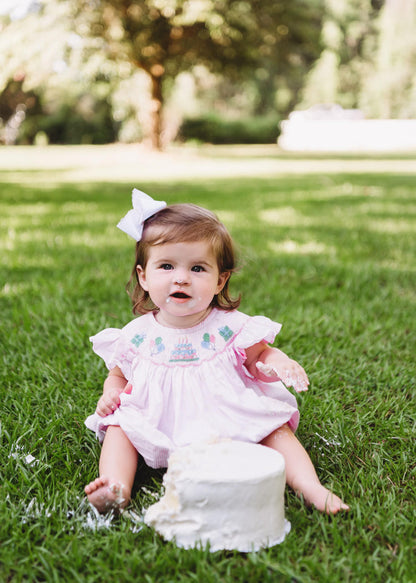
column 216, row 130
column 67, row 125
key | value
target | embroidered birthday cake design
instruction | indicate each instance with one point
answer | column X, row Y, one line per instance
column 183, row 352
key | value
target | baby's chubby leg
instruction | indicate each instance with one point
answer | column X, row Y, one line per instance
column 118, row 464
column 300, row 472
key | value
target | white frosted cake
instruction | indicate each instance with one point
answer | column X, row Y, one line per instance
column 229, row 494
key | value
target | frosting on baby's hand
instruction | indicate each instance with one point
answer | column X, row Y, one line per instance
column 297, row 381
column 266, row 369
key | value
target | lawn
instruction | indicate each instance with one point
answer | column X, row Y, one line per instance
column 327, row 247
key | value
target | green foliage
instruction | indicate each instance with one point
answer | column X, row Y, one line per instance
column 277, row 55
column 390, row 88
column 63, row 87
column 327, row 248
column 215, row 130
column 69, row 126
column 271, row 43
column 167, row 37
column 368, row 56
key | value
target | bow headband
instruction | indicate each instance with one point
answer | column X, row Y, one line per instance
column 143, row 207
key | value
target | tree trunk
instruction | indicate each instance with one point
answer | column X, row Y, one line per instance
column 157, row 110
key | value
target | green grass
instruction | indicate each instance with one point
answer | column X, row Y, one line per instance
column 331, row 256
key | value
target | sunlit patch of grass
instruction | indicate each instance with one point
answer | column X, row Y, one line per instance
column 280, row 216
column 331, row 256
column 309, row 248
column 229, row 218
column 392, row 226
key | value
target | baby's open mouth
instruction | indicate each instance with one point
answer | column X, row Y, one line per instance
column 180, row 295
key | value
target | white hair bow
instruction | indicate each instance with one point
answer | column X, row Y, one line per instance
column 143, row 207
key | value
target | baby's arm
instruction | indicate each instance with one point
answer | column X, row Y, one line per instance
column 114, row 385
column 271, row 364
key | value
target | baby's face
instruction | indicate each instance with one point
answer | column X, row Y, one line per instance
column 181, row 279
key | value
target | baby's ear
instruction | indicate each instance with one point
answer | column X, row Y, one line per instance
column 222, row 280
column 141, row 274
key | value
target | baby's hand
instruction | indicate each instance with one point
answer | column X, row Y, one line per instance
column 110, row 400
column 292, row 374
column 108, row 403
column 267, row 369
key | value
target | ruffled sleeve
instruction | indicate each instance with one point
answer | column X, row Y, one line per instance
column 113, row 347
column 257, row 329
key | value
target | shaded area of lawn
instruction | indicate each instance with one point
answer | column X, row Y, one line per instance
column 332, row 257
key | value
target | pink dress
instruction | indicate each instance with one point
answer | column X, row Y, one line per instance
column 190, row 384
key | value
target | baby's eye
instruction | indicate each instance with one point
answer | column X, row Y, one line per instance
column 197, row 268
column 166, row 266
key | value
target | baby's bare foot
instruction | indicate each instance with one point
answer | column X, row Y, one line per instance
column 106, row 495
column 324, row 500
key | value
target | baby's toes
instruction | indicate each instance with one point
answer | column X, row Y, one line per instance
column 95, row 485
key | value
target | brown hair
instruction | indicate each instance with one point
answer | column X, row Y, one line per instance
column 183, row 223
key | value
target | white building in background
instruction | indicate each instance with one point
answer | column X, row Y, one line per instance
column 330, row 128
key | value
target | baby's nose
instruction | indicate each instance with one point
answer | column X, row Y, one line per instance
column 181, row 277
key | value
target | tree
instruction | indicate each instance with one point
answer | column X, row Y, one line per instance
column 45, row 86
column 389, row 90
column 237, row 38
column 349, row 36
